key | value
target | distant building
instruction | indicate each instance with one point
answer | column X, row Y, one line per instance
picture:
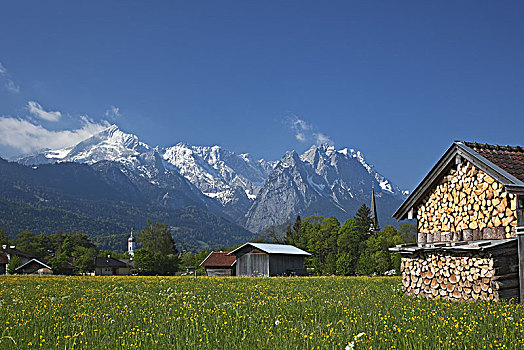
column 262, row 259
column 219, row 264
column 109, row 266
column 373, row 215
column 29, row 263
column 131, row 244
column 34, row 267
column 11, row 250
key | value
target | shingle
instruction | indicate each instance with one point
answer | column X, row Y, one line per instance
column 219, row 259
column 508, row 158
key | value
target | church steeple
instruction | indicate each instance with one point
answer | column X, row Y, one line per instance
column 131, row 243
column 374, row 227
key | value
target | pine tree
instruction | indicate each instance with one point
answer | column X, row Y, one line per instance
column 158, row 248
column 363, row 219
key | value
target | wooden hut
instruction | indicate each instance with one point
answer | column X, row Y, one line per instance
column 219, row 264
column 262, row 259
column 469, row 212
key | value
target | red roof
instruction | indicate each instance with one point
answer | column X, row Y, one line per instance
column 3, row 259
column 509, row 158
column 219, row 259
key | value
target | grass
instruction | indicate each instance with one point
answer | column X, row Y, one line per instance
column 244, row 313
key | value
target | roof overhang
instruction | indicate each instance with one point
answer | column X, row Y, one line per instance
column 202, row 263
column 263, row 247
column 482, row 245
column 207, row 257
column 457, row 149
column 21, row 267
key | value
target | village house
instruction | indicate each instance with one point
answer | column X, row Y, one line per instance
column 263, row 259
column 219, row 264
column 29, row 263
column 469, row 210
column 110, row 266
column 34, row 267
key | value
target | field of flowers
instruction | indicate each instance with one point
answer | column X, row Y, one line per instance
column 244, row 313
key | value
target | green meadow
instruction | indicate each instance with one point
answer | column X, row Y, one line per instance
column 244, row 313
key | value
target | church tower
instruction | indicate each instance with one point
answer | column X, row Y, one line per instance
column 131, row 243
column 374, row 227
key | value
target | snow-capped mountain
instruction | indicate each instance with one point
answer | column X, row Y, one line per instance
column 227, row 180
column 339, row 169
column 255, row 193
column 322, row 181
column 122, row 157
column 233, row 180
column 110, row 144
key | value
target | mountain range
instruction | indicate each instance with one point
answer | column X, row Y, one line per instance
column 239, row 195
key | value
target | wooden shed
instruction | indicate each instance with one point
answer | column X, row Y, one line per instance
column 263, row 259
column 469, row 210
column 219, row 264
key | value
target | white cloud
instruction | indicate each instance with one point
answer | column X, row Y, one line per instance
column 36, row 109
column 320, row 139
column 11, row 86
column 113, row 113
column 28, row 137
column 300, row 137
column 299, row 127
column 306, row 132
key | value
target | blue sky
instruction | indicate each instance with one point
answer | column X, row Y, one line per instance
column 399, row 81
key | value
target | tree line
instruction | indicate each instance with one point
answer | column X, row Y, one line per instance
column 68, row 253
column 63, row 252
column 345, row 250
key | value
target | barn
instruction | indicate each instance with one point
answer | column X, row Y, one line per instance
column 263, row 259
column 470, row 216
column 219, row 264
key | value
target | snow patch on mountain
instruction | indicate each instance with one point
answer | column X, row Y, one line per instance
column 217, row 172
column 58, row 154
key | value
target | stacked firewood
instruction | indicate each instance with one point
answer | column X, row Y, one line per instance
column 466, row 277
column 467, row 203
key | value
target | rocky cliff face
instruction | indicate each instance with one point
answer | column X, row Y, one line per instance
column 322, row 181
column 232, row 180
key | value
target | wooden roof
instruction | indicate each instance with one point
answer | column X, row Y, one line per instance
column 464, row 246
column 3, row 259
column 503, row 163
column 219, row 259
